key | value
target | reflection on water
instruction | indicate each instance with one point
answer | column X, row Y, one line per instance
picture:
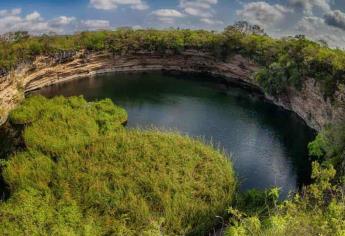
column 268, row 145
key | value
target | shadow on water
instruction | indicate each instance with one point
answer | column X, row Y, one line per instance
column 268, row 145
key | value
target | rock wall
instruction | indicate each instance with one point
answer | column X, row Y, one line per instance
column 44, row 71
column 309, row 103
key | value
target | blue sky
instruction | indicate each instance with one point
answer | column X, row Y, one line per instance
column 317, row 19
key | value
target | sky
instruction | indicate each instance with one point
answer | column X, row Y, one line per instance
column 317, row 19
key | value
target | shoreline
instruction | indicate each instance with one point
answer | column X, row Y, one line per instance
column 307, row 103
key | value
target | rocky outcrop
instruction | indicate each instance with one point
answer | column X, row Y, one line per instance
column 44, row 71
column 309, row 103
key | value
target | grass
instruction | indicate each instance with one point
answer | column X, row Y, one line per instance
column 82, row 173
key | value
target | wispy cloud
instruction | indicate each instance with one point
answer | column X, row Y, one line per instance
column 113, row 4
column 263, row 13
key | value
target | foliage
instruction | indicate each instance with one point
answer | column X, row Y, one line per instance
column 273, row 79
column 286, row 62
column 329, row 144
column 83, row 174
column 256, row 202
column 318, row 210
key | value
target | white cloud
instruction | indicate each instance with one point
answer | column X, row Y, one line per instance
column 286, row 20
column 167, row 16
column 204, row 4
column 94, row 24
column 335, row 18
column 141, row 6
column 12, row 20
column 316, row 28
column 263, row 13
column 198, row 12
column 209, row 21
column 35, row 16
column 201, row 11
column 198, row 8
column 308, row 5
column 62, row 21
column 34, row 23
column 113, row 4
column 167, row 13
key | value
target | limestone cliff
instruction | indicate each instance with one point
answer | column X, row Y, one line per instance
column 44, row 71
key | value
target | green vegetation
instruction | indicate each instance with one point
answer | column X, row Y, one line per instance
column 329, row 145
column 82, row 173
column 319, row 209
column 285, row 62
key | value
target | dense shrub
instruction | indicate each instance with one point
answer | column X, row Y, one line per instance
column 329, row 146
column 83, row 174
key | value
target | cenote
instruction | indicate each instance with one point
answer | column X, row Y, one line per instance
column 267, row 144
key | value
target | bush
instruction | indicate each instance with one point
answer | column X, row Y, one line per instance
column 318, row 210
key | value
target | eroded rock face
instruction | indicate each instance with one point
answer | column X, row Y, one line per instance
column 309, row 103
column 44, row 71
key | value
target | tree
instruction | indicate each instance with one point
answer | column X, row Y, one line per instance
column 15, row 36
column 246, row 28
column 323, row 43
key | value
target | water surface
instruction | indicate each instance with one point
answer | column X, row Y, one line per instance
column 267, row 144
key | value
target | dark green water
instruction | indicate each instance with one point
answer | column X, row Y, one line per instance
column 267, row 144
